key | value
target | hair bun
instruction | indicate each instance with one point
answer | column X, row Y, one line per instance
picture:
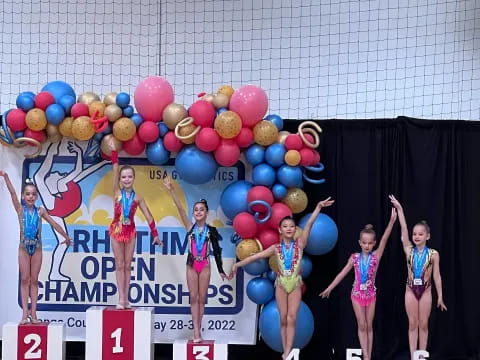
column 29, row 181
column 423, row 222
column 368, row 227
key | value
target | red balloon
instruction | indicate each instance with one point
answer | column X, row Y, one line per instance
column 279, row 211
column 40, row 136
column 316, row 157
column 207, row 139
column 268, row 237
column 134, row 146
column 79, row 109
column 309, row 138
column 203, row 113
column 16, row 120
column 43, row 100
column 245, row 137
column 260, row 193
column 171, row 142
column 148, row 131
column 293, row 142
column 227, row 153
column 307, row 157
column 245, row 225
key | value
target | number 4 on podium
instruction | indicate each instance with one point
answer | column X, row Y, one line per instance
column 294, row 355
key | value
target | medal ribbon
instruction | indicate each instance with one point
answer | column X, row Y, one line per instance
column 30, row 222
column 364, row 265
column 127, row 203
column 419, row 262
column 287, row 255
column 200, row 238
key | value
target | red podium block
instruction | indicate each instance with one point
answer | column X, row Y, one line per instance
column 119, row 334
column 33, row 341
column 205, row 350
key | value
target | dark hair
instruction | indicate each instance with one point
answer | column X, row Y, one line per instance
column 425, row 225
column 127, row 167
column 28, row 182
column 201, row 201
column 288, row 217
column 368, row 229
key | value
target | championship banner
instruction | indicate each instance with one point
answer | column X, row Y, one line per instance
column 75, row 188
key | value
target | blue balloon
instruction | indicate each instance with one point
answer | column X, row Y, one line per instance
column 306, row 266
column 255, row 154
column 263, row 174
column 258, row 267
column 275, row 154
column 59, row 89
column 221, row 110
column 269, row 326
column 55, row 114
column 279, row 191
column 137, row 119
column 272, row 275
column 290, row 176
column 128, row 111
column 156, row 153
column 163, row 129
column 67, row 101
column 28, row 93
column 122, row 99
column 25, row 102
column 323, row 236
column 234, row 198
column 260, row 290
column 276, row 120
column 195, row 166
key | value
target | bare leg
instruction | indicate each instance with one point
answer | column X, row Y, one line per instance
column 128, row 256
column 361, row 315
column 411, row 306
column 425, row 307
column 35, row 265
column 370, row 312
column 118, row 253
column 203, row 282
column 24, row 265
column 293, row 300
column 281, row 297
column 193, row 285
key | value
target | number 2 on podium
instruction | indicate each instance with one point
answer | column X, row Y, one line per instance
column 34, row 352
column 117, row 335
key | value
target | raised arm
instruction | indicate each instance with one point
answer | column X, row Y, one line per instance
column 13, row 194
column 302, row 240
column 438, row 280
column 44, row 214
column 150, row 220
column 341, row 275
column 263, row 254
column 403, row 224
column 386, row 234
column 183, row 215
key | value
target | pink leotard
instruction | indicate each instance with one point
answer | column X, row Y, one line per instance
column 364, row 297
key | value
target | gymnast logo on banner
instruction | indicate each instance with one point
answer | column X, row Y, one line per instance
column 76, row 190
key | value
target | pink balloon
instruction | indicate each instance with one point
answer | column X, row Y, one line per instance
column 227, row 153
column 148, row 131
column 171, row 142
column 268, row 237
column 151, row 96
column 79, row 109
column 245, row 225
column 251, row 103
column 293, row 142
column 203, row 113
column 207, row 139
column 134, row 146
column 260, row 193
column 279, row 211
column 307, row 156
column 245, row 138
column 40, row 136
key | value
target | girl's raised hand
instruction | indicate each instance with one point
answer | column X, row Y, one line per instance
column 2, row 173
column 393, row 216
column 395, row 202
column 325, row 203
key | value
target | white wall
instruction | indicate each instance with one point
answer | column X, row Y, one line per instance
column 315, row 58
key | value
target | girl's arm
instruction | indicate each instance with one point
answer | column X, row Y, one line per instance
column 403, row 224
column 302, row 240
column 150, row 220
column 386, row 234
column 438, row 280
column 341, row 275
column 263, row 254
column 13, row 194
column 183, row 215
column 44, row 214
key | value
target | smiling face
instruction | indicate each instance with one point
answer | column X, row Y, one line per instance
column 200, row 212
column 29, row 195
column 127, row 177
column 367, row 242
column 287, row 228
column 420, row 235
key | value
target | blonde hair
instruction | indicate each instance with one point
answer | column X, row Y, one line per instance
column 368, row 229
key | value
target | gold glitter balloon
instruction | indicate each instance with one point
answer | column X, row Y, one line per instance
column 65, row 127
column 124, row 129
column 113, row 112
column 173, row 114
column 282, row 135
column 226, row 90
column 82, row 129
column 105, row 144
column 265, row 133
column 228, row 124
column 292, row 157
column 298, row 232
column 186, row 131
column 110, row 98
column 220, row 101
column 96, row 106
column 88, row 98
column 36, row 119
column 53, row 133
column 296, row 200
column 247, row 247
column 273, row 263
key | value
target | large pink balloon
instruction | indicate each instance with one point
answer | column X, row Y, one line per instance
column 251, row 103
column 151, row 96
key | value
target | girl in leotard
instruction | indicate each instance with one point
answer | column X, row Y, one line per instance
column 122, row 229
column 30, row 247
column 364, row 292
column 288, row 283
column 199, row 237
column 422, row 263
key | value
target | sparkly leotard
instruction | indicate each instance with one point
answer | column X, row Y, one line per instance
column 121, row 229
column 289, row 279
column 364, row 294
column 426, row 274
column 199, row 260
column 30, row 245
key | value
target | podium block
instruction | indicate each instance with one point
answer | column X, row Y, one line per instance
column 33, row 341
column 119, row 334
column 205, row 350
